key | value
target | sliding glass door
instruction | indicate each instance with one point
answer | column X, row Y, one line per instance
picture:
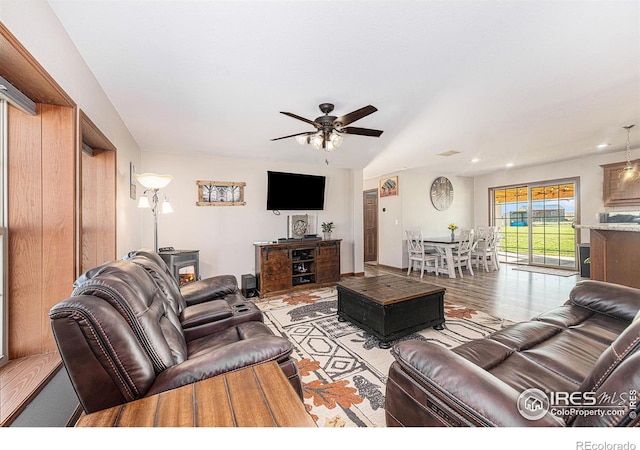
column 536, row 223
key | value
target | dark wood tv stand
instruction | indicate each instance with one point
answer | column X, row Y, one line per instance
column 303, row 264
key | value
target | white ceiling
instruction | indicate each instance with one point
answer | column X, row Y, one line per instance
column 504, row 81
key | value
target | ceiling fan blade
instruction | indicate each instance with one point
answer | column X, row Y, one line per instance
column 295, row 116
column 294, row 135
column 361, row 131
column 355, row 115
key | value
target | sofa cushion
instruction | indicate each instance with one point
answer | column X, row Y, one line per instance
column 570, row 355
column 525, row 335
column 143, row 305
column 555, row 351
column 159, row 271
column 234, row 348
column 515, row 368
column 241, row 332
column 596, row 296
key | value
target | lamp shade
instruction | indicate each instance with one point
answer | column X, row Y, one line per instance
column 166, row 207
column 144, row 202
column 316, row 141
column 152, row 180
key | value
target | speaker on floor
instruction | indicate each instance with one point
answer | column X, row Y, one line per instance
column 249, row 286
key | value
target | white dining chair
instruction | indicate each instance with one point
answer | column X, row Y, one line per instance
column 497, row 230
column 484, row 251
column 418, row 255
column 462, row 253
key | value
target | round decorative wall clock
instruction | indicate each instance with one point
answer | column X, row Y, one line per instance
column 441, row 193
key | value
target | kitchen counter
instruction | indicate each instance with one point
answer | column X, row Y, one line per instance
column 611, row 227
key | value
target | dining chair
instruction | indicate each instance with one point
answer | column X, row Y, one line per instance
column 482, row 232
column 418, row 254
column 497, row 230
column 462, row 253
column 484, row 251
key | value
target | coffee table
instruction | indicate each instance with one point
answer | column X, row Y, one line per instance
column 257, row 396
column 390, row 306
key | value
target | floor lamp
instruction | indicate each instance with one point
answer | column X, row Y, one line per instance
column 153, row 183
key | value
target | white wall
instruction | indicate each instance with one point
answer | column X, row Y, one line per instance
column 224, row 235
column 412, row 209
column 37, row 28
column 591, row 187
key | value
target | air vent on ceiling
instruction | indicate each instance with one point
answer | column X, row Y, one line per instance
column 449, row 153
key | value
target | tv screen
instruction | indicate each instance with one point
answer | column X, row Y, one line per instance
column 294, row 191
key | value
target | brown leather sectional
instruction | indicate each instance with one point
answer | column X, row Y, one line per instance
column 128, row 331
column 580, row 358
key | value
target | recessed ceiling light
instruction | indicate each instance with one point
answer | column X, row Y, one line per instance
column 475, row 160
column 508, row 165
column 603, row 145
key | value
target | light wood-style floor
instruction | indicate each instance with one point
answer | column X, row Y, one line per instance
column 506, row 293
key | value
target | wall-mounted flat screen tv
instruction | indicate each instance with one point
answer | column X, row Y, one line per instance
column 294, row 191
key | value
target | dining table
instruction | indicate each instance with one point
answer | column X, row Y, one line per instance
column 444, row 245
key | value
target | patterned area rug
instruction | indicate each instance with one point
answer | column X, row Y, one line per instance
column 342, row 368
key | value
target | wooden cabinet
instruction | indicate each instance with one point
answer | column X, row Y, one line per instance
column 294, row 265
column 328, row 262
column 616, row 192
column 614, row 256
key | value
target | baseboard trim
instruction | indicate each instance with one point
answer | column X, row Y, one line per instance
column 352, row 274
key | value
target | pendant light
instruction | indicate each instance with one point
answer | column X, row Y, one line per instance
column 629, row 172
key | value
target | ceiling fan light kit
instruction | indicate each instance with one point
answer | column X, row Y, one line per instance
column 329, row 129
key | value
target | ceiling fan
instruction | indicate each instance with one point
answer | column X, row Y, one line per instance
column 329, row 129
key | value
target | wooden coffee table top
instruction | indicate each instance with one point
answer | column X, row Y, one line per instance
column 258, row 396
column 388, row 289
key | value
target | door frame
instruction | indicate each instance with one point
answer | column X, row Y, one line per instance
column 530, row 186
column 375, row 224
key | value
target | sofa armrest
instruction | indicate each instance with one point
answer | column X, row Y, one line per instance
column 455, row 384
column 209, row 289
column 615, row 300
column 226, row 359
column 207, row 312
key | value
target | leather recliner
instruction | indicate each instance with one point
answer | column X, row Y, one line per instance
column 204, row 306
column 120, row 339
column 582, row 356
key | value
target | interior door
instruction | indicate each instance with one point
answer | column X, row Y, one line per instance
column 370, row 225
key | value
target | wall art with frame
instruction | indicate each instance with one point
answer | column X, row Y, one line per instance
column 220, row 193
column 389, row 186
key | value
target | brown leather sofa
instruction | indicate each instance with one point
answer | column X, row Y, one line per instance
column 576, row 365
column 204, row 306
column 121, row 338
